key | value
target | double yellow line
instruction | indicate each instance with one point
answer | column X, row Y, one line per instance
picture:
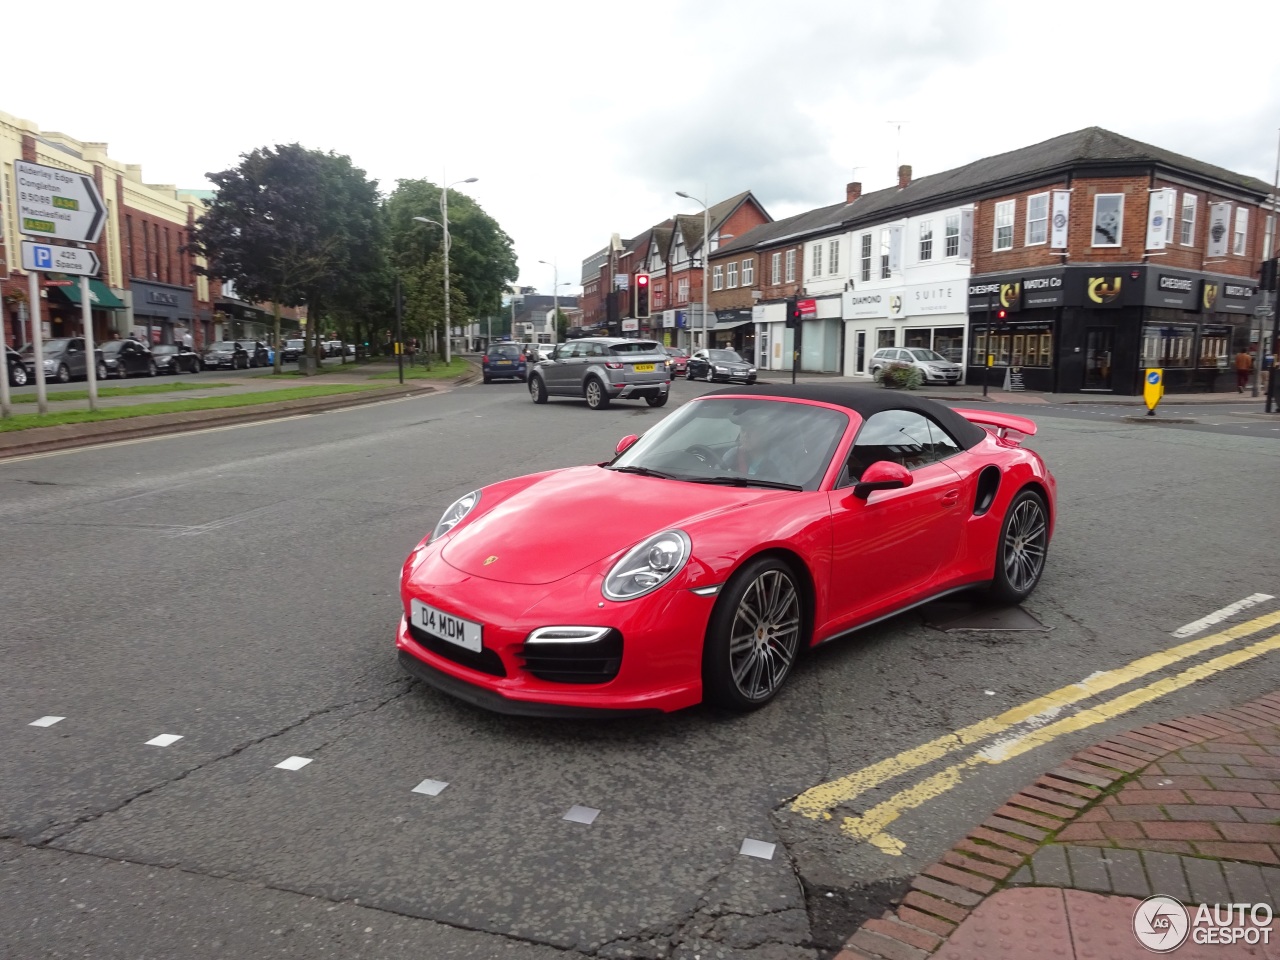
column 1036, row 716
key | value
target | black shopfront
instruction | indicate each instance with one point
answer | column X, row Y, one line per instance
column 162, row 313
column 1096, row 329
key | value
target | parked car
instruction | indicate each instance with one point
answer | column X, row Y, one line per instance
column 504, row 361
column 333, row 348
column 933, row 366
column 721, row 365
column 64, row 359
column 125, row 358
column 225, row 353
column 603, row 369
column 292, row 350
column 257, row 351
column 175, row 358
column 18, row 376
column 679, row 359
column 697, row 564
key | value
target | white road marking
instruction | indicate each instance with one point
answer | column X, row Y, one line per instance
column 293, row 763
column 578, row 814
column 45, row 721
column 164, row 740
column 1191, row 629
column 757, row 848
column 430, row 787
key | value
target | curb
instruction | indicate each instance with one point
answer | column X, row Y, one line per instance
column 944, row 894
column 44, row 439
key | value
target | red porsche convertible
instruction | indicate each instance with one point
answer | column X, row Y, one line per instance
column 707, row 554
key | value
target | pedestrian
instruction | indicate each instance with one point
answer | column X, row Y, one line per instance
column 1244, row 364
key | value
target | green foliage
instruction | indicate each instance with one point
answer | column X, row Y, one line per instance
column 902, row 376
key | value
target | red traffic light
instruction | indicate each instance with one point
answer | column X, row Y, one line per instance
column 642, row 279
column 1002, row 314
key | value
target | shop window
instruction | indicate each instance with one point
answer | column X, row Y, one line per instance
column 949, row 341
column 1168, row 344
column 1011, row 346
column 884, row 338
column 1215, row 348
column 918, row 338
column 1108, row 218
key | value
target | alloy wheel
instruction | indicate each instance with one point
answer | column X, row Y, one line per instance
column 765, row 635
column 1025, row 543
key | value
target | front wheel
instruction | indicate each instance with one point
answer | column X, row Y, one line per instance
column 195, row 366
column 151, row 369
column 597, row 398
column 100, row 371
column 537, row 390
column 688, row 373
column 754, row 635
column 1020, row 554
column 64, row 373
column 660, row 401
column 18, row 375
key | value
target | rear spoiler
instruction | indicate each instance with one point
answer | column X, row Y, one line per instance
column 1006, row 426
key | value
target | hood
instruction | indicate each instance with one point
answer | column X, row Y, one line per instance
column 563, row 521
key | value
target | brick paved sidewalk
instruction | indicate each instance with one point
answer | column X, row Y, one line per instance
column 1188, row 808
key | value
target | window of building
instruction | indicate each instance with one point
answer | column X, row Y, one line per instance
column 926, row 240
column 717, row 277
column 748, row 272
column 791, row 265
column 682, row 290
column 1168, row 218
column 884, row 338
column 833, row 256
column 1268, row 238
column 775, row 268
column 1188, row 237
column 733, row 274
column 1003, row 239
column 1016, row 345
column 816, row 265
column 953, row 235
column 1240, row 241
column 864, row 270
column 1108, row 219
column 1037, row 219
column 1168, row 345
column 884, row 253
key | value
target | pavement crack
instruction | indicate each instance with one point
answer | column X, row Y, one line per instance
column 60, row 830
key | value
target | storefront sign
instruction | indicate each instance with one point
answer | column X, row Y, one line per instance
column 1171, row 290
column 668, row 319
column 1235, row 297
column 927, row 298
column 162, row 296
column 1219, row 228
column 807, row 308
column 153, row 300
column 1061, row 216
column 864, row 305
column 1040, row 292
column 1104, row 291
column 1159, row 207
column 758, row 313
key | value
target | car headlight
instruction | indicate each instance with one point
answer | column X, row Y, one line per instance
column 648, row 565
column 751, row 370
column 454, row 513
column 49, row 364
column 720, row 369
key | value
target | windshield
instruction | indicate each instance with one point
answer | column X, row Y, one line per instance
column 676, row 352
column 728, row 356
column 112, row 346
column 293, row 344
column 714, row 440
column 507, row 351
column 639, row 346
column 922, row 354
column 50, row 346
column 161, row 348
column 223, row 345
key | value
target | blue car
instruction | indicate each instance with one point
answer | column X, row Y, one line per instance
column 504, row 361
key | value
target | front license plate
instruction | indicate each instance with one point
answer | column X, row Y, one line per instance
column 644, row 368
column 444, row 626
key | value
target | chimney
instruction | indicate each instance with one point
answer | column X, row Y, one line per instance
column 852, row 191
column 904, row 176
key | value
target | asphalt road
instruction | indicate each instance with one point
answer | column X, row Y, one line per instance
column 237, row 588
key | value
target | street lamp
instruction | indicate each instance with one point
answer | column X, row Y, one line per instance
column 706, row 239
column 442, row 227
column 555, row 297
column 444, row 215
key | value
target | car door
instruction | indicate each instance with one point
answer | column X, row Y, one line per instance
column 888, row 549
column 560, row 371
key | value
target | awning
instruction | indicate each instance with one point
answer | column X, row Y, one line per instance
column 100, row 295
column 730, row 324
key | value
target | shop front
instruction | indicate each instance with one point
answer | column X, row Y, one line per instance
column 774, row 339
column 64, row 315
column 163, row 313
column 734, row 330
column 820, row 334
column 1097, row 329
column 930, row 315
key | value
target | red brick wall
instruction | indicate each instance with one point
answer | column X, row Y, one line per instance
column 764, row 272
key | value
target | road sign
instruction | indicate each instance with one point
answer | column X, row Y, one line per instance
column 52, row 259
column 1152, row 388
column 56, row 204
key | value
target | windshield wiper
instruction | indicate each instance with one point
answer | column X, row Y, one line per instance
column 645, row 472
column 746, row 482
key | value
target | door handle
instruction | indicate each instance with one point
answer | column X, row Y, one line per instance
column 951, row 498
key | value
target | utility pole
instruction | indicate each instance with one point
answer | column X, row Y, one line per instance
column 986, row 348
column 1266, row 309
column 399, row 345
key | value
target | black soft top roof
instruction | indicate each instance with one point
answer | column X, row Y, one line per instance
column 868, row 401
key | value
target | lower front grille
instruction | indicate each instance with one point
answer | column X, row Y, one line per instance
column 596, row 662
column 486, row 661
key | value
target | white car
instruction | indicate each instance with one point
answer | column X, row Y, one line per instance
column 933, row 366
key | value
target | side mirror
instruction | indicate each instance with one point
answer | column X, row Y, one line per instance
column 882, row 475
column 625, row 442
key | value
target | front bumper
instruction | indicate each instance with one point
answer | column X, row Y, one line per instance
column 661, row 634
column 625, row 391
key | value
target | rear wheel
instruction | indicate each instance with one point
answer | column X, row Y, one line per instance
column 754, row 635
column 537, row 390
column 100, row 370
column 1020, row 554
column 18, row 375
column 151, row 369
column 660, row 401
column 488, row 379
column 597, row 396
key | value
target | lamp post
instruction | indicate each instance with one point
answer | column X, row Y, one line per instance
column 444, row 215
column 442, row 227
column 706, row 239
column 555, row 298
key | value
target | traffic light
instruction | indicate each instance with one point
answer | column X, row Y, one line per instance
column 642, row 296
column 793, row 311
column 1268, row 274
column 1002, row 315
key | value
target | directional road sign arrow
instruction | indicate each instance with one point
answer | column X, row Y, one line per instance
column 57, row 204
column 48, row 258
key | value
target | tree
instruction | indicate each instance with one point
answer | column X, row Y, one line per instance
column 294, row 226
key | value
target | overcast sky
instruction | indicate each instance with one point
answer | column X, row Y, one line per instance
column 584, row 119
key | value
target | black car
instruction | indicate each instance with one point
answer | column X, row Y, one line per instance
column 259, row 355
column 719, row 365
column 176, row 358
column 124, row 358
column 18, row 375
column 292, row 350
column 226, row 353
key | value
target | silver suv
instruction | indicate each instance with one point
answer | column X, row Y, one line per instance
column 602, row 369
column 933, row 366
